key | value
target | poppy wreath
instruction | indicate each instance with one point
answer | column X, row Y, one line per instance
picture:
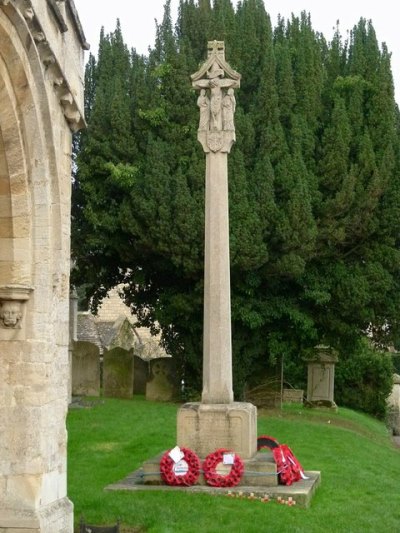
column 218, row 480
column 171, row 477
column 264, row 441
column 289, row 468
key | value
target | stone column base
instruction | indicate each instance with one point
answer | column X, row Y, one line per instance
column 56, row 517
column 206, row 427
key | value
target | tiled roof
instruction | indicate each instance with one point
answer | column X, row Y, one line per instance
column 87, row 329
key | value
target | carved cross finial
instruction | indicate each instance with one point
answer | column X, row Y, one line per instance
column 217, row 48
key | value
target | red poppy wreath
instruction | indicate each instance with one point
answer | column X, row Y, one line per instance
column 220, row 460
column 184, row 472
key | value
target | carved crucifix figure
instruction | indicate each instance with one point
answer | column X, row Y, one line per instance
column 216, row 101
column 216, row 81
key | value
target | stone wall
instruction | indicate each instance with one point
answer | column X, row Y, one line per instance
column 41, row 65
column 112, row 307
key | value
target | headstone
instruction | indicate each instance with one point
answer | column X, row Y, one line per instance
column 118, row 373
column 163, row 384
column 321, row 377
column 141, row 374
column 393, row 418
column 235, row 424
column 85, row 369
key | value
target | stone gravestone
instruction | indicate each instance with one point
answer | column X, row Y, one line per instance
column 118, row 373
column 321, row 377
column 218, row 421
column 85, row 369
column 394, row 406
column 141, row 374
column 163, row 385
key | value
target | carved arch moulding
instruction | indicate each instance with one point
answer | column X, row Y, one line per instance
column 27, row 22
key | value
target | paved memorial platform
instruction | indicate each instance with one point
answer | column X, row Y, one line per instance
column 147, row 478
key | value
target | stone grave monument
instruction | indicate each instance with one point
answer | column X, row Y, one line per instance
column 163, row 385
column 393, row 417
column 85, row 369
column 321, row 378
column 118, row 373
column 217, row 421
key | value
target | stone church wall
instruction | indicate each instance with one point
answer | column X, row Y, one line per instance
column 41, row 88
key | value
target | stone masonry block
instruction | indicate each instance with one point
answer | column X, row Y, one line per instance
column 207, row 427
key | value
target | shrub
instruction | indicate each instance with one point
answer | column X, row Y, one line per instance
column 364, row 379
column 396, row 362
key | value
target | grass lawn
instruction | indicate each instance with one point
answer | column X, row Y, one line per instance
column 360, row 489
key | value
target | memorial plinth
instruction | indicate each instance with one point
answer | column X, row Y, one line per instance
column 218, row 421
column 207, row 427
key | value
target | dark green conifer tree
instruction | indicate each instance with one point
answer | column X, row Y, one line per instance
column 313, row 181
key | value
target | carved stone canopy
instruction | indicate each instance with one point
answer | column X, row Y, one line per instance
column 216, row 57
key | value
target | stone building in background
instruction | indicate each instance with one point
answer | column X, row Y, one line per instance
column 114, row 326
column 111, row 354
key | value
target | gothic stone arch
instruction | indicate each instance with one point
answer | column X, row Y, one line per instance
column 41, row 98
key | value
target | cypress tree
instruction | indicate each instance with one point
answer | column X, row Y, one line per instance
column 314, row 189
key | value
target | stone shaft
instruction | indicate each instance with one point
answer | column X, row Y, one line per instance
column 217, row 343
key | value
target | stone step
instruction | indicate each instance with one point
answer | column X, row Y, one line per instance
column 300, row 493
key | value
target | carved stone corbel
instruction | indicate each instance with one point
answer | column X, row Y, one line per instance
column 12, row 301
column 66, row 98
column 48, row 60
column 39, row 37
column 29, row 14
column 73, row 117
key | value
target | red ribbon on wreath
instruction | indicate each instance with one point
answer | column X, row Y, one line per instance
column 215, row 479
column 184, row 472
column 289, row 468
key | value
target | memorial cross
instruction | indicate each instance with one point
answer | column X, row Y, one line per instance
column 216, row 81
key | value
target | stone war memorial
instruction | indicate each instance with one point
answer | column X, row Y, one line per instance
column 41, row 94
column 217, row 421
column 217, row 441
